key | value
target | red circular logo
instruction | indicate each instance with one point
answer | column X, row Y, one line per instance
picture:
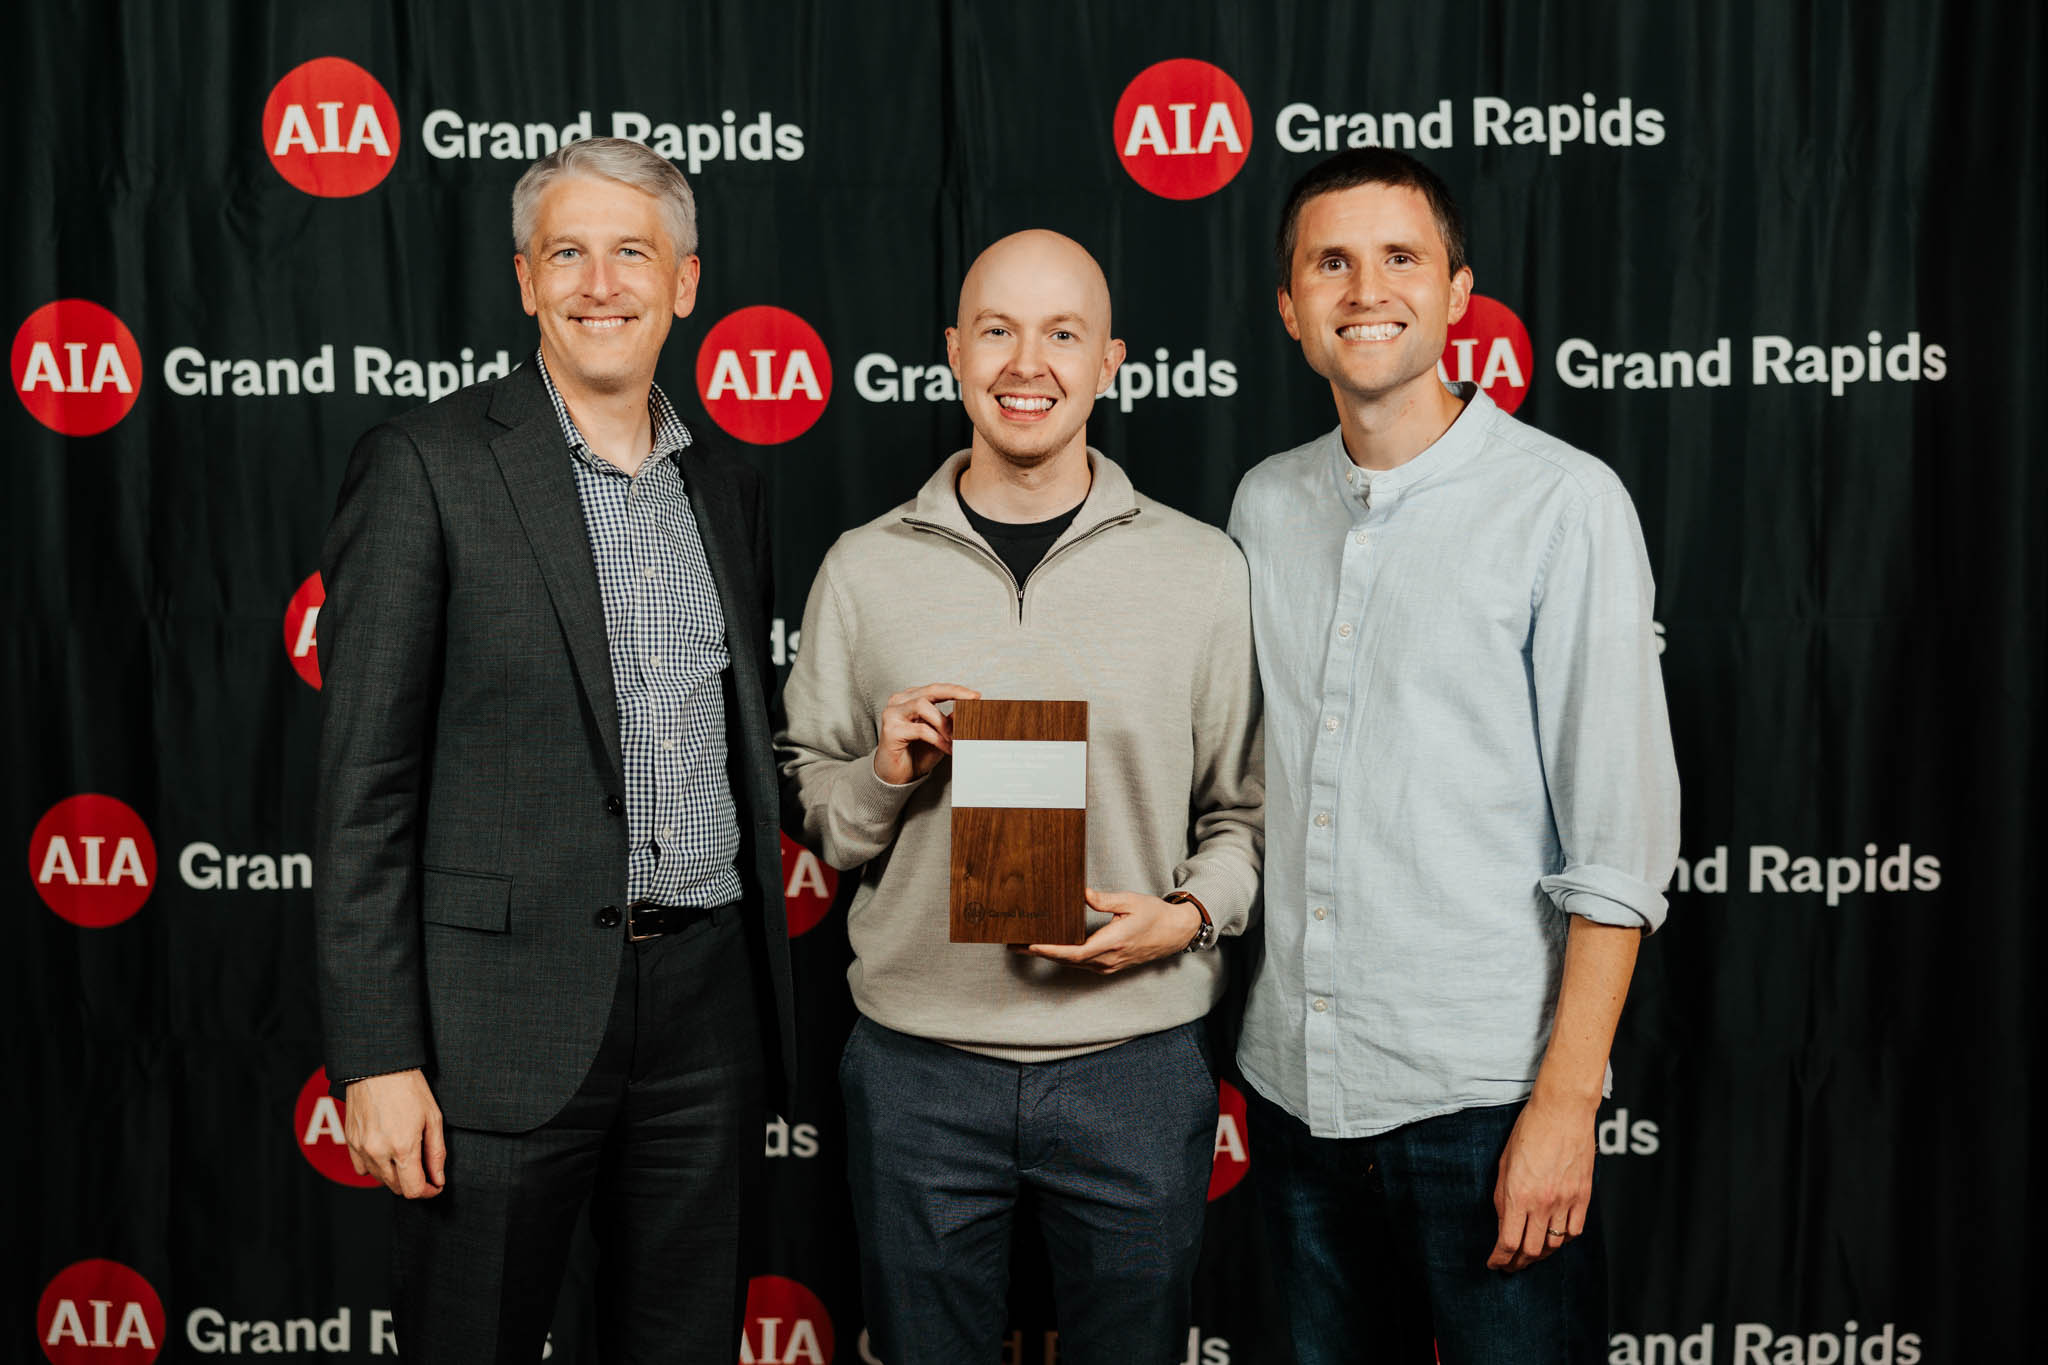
column 76, row 367
column 1233, row 1141
column 301, row 640
column 92, row 860
column 100, row 1313
column 808, row 886
column 317, row 1121
column 1183, row 128
column 786, row 1324
column 764, row 375
column 1489, row 347
column 330, row 129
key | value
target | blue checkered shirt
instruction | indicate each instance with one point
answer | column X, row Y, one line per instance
column 668, row 650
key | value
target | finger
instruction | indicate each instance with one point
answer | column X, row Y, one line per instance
column 1506, row 1240
column 437, row 1152
column 1064, row 952
column 1575, row 1222
column 1535, row 1240
column 355, row 1159
column 943, row 692
column 1108, row 902
column 914, row 731
column 405, row 1172
column 937, row 721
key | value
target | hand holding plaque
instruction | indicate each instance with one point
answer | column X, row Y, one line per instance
column 1020, row 821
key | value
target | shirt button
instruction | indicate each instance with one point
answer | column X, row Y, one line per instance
column 648, row 572
column 614, row 806
column 668, row 744
column 608, row 918
column 1322, row 819
column 1329, row 722
column 654, row 663
column 667, row 832
column 1322, row 912
column 1360, row 537
column 1344, row 631
column 1319, row 1005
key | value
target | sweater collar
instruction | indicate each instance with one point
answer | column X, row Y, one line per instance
column 1111, row 497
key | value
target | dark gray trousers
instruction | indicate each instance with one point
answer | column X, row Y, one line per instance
column 659, row 1141
column 1115, row 1146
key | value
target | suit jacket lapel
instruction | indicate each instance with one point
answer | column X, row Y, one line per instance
column 717, row 509
column 542, row 482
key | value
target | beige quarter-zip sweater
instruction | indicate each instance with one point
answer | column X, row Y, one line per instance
column 1138, row 610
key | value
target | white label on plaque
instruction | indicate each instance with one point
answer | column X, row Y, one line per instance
column 1021, row 774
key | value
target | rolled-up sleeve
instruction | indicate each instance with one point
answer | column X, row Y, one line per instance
column 1601, row 722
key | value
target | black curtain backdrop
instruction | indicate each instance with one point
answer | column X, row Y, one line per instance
column 1778, row 263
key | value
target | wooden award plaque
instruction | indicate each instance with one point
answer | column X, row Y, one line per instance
column 1020, row 821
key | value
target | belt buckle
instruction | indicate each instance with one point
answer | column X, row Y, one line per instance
column 631, row 910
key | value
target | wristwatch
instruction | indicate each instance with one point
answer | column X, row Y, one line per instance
column 1205, row 936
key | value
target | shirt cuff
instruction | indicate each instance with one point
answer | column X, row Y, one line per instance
column 1606, row 895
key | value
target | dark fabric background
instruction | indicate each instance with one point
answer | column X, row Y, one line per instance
column 1830, row 1109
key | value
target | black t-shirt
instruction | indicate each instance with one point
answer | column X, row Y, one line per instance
column 1019, row 544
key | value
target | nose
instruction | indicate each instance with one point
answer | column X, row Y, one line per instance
column 1367, row 286
column 1028, row 359
column 599, row 276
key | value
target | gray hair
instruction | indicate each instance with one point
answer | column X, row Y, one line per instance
column 608, row 158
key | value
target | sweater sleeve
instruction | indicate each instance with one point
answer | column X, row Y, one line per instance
column 1227, row 801
column 826, row 746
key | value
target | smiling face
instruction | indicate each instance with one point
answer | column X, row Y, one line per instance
column 1032, row 347
column 1370, row 295
column 604, row 280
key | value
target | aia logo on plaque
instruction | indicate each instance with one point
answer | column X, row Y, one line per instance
column 330, row 129
column 1489, row 347
column 92, row 860
column 76, row 367
column 301, row 639
column 764, row 375
column 786, row 1324
column 317, row 1120
column 808, row 886
column 1183, row 128
column 1233, row 1141
column 100, row 1313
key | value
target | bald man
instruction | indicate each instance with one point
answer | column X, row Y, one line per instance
column 1029, row 567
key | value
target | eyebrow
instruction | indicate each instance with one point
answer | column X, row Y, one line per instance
column 1061, row 319
column 1338, row 249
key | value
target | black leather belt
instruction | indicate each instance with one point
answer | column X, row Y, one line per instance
column 645, row 919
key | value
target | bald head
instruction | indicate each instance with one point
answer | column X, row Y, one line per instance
column 1032, row 348
column 1041, row 272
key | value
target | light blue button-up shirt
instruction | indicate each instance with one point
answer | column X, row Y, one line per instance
column 1465, row 743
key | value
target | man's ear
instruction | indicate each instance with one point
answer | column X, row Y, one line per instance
column 1285, row 302
column 1112, row 357
column 687, row 275
column 1461, row 292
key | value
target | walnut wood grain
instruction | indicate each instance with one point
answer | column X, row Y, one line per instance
column 1018, row 874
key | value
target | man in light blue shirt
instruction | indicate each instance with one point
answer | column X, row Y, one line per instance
column 1472, row 810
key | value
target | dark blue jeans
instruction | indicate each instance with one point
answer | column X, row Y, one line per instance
column 1379, row 1247
column 1114, row 1145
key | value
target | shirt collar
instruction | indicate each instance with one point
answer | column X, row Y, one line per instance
column 1460, row 441
column 670, row 435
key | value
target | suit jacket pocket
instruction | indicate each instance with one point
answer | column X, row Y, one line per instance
column 467, row 900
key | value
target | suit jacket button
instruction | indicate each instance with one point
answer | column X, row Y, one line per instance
column 614, row 806
column 608, row 918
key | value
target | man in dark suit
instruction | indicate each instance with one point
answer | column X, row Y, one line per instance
column 553, row 959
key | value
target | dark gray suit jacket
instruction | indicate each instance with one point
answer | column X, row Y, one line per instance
column 469, row 827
